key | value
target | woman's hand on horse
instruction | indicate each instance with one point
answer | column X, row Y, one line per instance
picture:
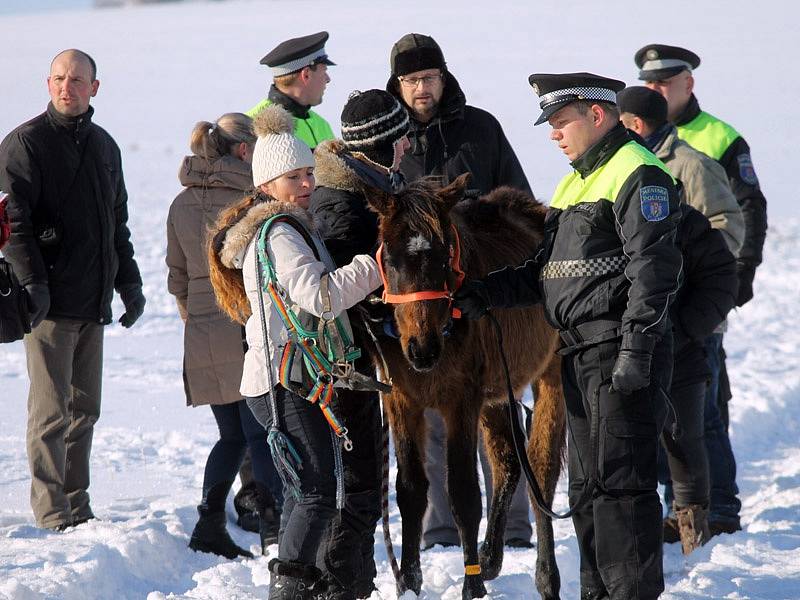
column 472, row 299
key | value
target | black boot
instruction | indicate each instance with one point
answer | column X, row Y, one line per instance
column 211, row 535
column 269, row 517
column 292, row 580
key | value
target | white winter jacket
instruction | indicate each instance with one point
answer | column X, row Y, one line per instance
column 298, row 273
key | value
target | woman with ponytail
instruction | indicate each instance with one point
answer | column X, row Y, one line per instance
column 214, row 177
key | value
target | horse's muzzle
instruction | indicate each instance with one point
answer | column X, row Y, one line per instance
column 424, row 356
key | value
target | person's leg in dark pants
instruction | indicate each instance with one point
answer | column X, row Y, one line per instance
column 625, row 524
column 688, row 463
column 347, row 558
column 305, row 520
column 210, row 534
column 725, row 505
column 266, row 481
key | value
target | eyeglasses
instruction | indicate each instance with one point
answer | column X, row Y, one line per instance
column 412, row 82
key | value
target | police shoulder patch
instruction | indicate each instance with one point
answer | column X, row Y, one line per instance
column 746, row 170
column 655, row 202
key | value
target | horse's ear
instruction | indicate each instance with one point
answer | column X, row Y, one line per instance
column 454, row 192
column 380, row 201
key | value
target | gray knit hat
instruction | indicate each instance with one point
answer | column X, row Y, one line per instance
column 277, row 150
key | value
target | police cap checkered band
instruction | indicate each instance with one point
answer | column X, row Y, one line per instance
column 666, row 63
column 577, row 93
column 557, row 90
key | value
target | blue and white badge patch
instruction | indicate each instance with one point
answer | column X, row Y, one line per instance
column 655, row 202
column 746, row 170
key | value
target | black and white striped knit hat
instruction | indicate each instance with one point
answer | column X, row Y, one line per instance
column 372, row 122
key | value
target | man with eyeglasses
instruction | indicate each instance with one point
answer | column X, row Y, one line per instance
column 448, row 138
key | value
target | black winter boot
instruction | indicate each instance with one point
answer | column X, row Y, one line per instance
column 292, row 580
column 246, row 504
column 211, row 535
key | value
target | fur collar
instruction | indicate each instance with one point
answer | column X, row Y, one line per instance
column 239, row 234
column 331, row 171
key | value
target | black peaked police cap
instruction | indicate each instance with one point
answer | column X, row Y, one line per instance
column 659, row 61
column 296, row 53
column 557, row 90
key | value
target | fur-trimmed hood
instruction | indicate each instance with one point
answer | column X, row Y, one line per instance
column 237, row 237
column 332, row 171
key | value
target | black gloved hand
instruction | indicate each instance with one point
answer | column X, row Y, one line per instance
column 134, row 302
column 632, row 370
column 745, row 272
column 472, row 299
column 38, row 302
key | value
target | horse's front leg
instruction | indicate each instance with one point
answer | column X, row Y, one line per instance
column 408, row 429
column 463, row 488
column 498, row 443
column 545, row 452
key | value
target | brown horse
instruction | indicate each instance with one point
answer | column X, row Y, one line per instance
column 454, row 367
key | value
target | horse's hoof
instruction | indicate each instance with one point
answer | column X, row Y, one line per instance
column 473, row 587
column 491, row 562
column 412, row 579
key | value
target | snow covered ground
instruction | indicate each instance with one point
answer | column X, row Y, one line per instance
column 164, row 67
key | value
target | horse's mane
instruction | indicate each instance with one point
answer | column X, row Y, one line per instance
column 504, row 227
column 419, row 205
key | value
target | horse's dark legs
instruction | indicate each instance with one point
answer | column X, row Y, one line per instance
column 545, row 452
column 505, row 476
column 463, row 488
column 408, row 429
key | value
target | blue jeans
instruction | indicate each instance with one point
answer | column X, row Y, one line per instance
column 725, row 505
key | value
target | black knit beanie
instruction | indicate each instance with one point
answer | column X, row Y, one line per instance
column 372, row 122
column 415, row 52
column 644, row 103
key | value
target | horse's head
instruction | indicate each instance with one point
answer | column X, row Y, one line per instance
column 418, row 255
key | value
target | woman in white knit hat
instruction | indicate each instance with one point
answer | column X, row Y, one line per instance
column 271, row 271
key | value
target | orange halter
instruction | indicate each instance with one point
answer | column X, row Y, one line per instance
column 455, row 265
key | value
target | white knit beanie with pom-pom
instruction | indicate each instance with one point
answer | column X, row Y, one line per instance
column 277, row 150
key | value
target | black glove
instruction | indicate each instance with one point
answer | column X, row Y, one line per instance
column 38, row 302
column 472, row 299
column 632, row 370
column 745, row 272
column 134, row 302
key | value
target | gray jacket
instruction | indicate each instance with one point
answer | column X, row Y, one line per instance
column 705, row 187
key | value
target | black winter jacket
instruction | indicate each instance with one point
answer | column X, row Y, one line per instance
column 339, row 206
column 460, row 139
column 748, row 193
column 65, row 173
column 586, row 247
column 706, row 295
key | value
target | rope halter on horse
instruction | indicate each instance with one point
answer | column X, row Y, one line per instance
column 445, row 294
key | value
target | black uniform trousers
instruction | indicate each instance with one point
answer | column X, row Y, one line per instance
column 619, row 532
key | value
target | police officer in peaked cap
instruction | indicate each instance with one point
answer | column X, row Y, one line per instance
column 299, row 69
column 606, row 273
column 669, row 71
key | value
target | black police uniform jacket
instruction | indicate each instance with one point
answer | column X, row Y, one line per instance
column 460, row 139
column 613, row 259
column 65, row 174
column 707, row 294
column 735, row 159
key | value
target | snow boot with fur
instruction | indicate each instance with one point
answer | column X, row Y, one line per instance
column 692, row 521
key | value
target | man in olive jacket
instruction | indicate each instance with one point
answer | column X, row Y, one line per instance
column 70, row 249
